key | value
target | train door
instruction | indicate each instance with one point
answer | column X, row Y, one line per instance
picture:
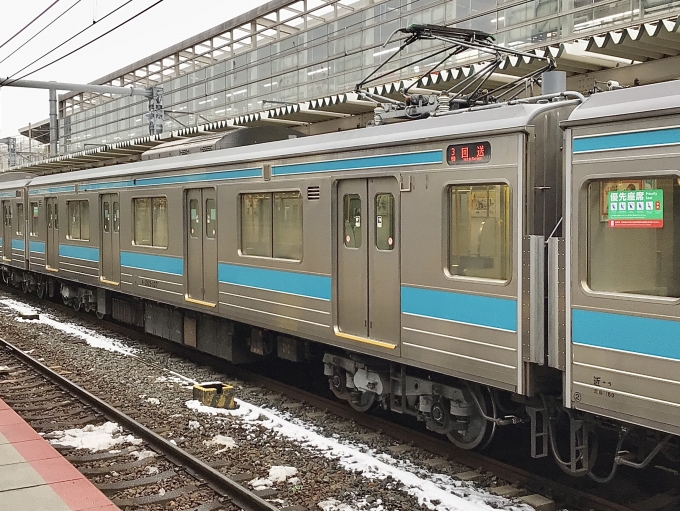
column 201, row 234
column 109, row 210
column 52, row 245
column 6, row 230
column 368, row 276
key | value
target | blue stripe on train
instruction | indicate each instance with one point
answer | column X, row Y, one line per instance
column 484, row 311
column 78, row 252
column 52, row 189
column 647, row 138
column 635, row 334
column 303, row 284
column 152, row 262
column 392, row 160
column 167, row 180
column 17, row 244
column 37, row 247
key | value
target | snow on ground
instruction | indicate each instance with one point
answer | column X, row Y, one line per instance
column 4, row 368
column 277, row 474
column 226, row 441
column 143, row 454
column 436, row 491
column 360, row 505
column 90, row 336
column 94, row 438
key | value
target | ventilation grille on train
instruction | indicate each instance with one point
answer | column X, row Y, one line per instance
column 206, row 148
column 313, row 193
column 182, row 152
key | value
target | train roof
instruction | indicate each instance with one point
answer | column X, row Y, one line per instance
column 503, row 118
column 630, row 103
column 14, row 184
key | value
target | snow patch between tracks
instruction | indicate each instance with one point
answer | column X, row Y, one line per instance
column 89, row 336
column 436, row 491
column 94, row 438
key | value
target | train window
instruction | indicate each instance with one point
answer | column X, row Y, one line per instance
column 79, row 219
column 151, row 221
column 287, row 231
column 256, row 224
column 56, row 217
column 210, row 218
column 194, row 218
column 107, row 217
column 142, row 212
column 160, row 222
column 384, row 221
column 352, row 223
column 20, row 219
column 479, row 231
column 116, row 217
column 49, row 215
column 633, row 231
column 34, row 210
column 271, row 225
column 34, row 219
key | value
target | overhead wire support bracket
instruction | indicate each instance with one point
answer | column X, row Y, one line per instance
column 154, row 94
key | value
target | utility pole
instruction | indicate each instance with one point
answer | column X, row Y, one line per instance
column 153, row 94
column 11, row 150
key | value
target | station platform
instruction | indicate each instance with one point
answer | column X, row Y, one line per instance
column 34, row 476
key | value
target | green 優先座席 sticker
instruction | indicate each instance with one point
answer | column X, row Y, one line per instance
column 641, row 209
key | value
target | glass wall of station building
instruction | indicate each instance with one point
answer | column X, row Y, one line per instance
column 333, row 57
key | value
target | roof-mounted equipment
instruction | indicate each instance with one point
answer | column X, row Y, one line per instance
column 467, row 93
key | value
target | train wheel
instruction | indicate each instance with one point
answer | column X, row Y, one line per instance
column 76, row 304
column 363, row 402
column 479, row 431
column 24, row 286
column 40, row 289
column 5, row 276
column 100, row 315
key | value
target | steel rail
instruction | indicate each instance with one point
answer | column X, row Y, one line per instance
column 566, row 494
column 223, row 485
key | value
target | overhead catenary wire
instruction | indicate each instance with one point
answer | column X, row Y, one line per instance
column 30, row 23
column 41, row 31
column 6, row 82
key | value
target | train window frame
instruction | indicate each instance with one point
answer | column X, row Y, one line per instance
column 271, row 224
column 584, row 233
column 81, row 205
column 20, row 216
column 210, row 228
column 447, row 230
column 34, row 223
column 152, row 224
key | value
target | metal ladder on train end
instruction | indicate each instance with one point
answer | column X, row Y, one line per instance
column 540, row 433
column 579, row 445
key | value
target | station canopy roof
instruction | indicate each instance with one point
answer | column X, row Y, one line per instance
column 592, row 56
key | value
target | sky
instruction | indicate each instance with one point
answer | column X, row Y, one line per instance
column 169, row 22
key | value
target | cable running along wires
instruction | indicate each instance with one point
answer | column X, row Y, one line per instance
column 30, row 23
column 7, row 80
column 41, row 31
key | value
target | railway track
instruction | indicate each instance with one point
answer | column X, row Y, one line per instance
column 48, row 402
column 564, row 494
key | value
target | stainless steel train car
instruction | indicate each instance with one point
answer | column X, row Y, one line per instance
column 622, row 261
column 413, row 254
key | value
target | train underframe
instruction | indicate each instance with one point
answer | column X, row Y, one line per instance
column 468, row 413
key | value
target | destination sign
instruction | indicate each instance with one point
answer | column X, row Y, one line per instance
column 476, row 152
